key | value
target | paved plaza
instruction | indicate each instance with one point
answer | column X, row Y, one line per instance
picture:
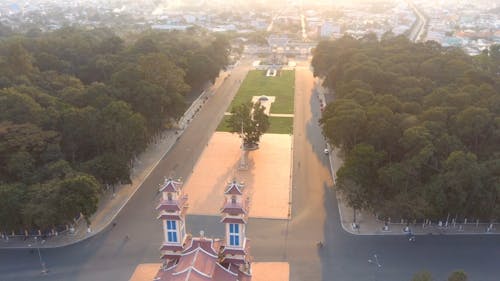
column 266, row 178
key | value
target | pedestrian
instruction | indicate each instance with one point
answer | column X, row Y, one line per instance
column 411, row 237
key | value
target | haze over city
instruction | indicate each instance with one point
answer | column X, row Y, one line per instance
column 156, row 140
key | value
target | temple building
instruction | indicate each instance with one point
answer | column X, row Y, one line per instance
column 200, row 258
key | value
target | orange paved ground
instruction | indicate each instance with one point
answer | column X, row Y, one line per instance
column 267, row 179
column 270, row 271
column 145, row 272
column 261, row 271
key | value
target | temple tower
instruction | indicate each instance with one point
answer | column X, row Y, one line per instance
column 172, row 209
column 234, row 216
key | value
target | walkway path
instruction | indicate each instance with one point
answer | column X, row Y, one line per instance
column 270, row 115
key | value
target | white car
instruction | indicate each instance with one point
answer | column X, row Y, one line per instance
column 326, row 151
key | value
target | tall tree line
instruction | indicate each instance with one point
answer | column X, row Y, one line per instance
column 76, row 107
column 418, row 124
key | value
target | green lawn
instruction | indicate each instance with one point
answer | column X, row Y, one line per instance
column 257, row 84
column 279, row 125
column 223, row 124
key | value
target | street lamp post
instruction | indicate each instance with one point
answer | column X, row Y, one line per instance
column 243, row 162
column 377, row 263
column 42, row 264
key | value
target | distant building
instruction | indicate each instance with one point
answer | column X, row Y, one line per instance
column 224, row 28
column 400, row 29
column 278, row 40
column 170, row 27
column 199, row 258
column 189, row 18
column 328, row 29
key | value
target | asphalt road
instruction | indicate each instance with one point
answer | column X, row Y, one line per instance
column 344, row 257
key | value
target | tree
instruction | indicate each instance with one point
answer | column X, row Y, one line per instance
column 432, row 112
column 473, row 124
column 41, row 210
column 12, row 198
column 201, row 69
column 344, row 123
column 123, row 131
column 19, row 60
column 160, row 70
column 76, row 107
column 109, row 168
column 356, row 178
column 458, row 275
column 77, row 195
column 422, row 276
column 78, row 126
column 18, row 108
column 250, row 122
column 20, row 166
column 21, row 145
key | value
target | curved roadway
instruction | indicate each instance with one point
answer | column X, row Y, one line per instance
column 315, row 217
column 419, row 28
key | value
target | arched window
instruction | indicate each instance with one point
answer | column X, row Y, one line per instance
column 233, row 199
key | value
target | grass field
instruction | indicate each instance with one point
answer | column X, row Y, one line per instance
column 279, row 125
column 223, row 125
column 257, row 84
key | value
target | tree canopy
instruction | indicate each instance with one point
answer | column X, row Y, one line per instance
column 249, row 121
column 422, row 276
column 419, row 125
column 76, row 107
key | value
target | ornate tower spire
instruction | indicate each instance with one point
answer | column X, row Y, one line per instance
column 234, row 216
column 172, row 209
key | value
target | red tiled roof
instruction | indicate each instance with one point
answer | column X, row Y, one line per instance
column 197, row 265
column 166, row 216
column 171, row 247
column 168, row 205
column 232, row 252
column 234, row 260
column 209, row 245
column 233, row 209
column 236, row 208
column 233, row 220
column 243, row 276
column 170, row 186
column 234, row 188
column 197, row 259
column 170, row 256
column 172, row 205
column 222, row 273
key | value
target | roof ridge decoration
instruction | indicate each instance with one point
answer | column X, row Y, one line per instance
column 198, row 248
column 234, row 187
column 170, row 185
column 203, row 238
